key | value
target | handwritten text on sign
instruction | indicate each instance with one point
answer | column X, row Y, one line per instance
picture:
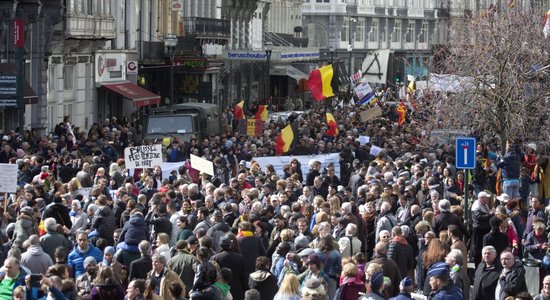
column 146, row 156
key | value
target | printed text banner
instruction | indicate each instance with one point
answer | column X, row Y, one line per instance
column 146, row 156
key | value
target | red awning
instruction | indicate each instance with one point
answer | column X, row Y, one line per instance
column 139, row 96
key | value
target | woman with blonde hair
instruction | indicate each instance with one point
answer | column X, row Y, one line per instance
column 351, row 285
column 290, row 288
column 334, row 202
column 163, row 246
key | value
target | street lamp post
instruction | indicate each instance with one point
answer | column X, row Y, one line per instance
column 331, row 49
column 350, row 50
column 268, row 51
column 170, row 42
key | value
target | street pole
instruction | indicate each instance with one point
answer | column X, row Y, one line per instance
column 350, row 50
column 268, row 52
column 19, row 43
column 331, row 49
column 465, row 197
column 171, row 77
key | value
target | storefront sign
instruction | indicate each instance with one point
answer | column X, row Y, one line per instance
column 110, row 67
column 191, row 63
column 8, row 91
column 132, row 67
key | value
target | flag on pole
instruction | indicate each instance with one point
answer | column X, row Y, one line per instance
column 321, row 83
column 238, row 111
column 546, row 29
column 262, row 113
column 402, row 113
column 411, row 86
column 284, row 143
column 332, row 126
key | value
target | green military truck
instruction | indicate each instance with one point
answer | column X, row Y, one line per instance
column 181, row 121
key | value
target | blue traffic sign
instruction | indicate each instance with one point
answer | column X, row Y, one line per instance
column 465, row 151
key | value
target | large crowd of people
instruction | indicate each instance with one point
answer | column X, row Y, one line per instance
column 389, row 225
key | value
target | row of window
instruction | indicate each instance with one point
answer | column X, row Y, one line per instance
column 373, row 33
column 428, row 4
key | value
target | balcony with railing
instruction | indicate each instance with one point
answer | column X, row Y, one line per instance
column 81, row 26
column 207, row 28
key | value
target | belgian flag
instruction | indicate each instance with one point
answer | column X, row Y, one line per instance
column 323, row 82
column 332, row 126
column 238, row 111
column 286, row 141
column 262, row 113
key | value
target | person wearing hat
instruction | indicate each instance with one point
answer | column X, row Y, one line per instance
column 376, row 282
column 313, row 264
column 234, row 261
column 110, row 261
column 406, row 287
column 481, row 214
column 24, row 226
column 313, row 289
column 440, row 283
column 84, row 281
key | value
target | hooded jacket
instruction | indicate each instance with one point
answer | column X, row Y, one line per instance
column 135, row 230
column 60, row 213
column 36, row 260
column 265, row 283
column 105, row 223
column 24, row 227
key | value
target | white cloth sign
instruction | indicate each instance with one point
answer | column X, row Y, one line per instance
column 279, row 162
column 146, row 156
column 374, row 150
column 8, row 178
column 202, row 165
column 363, row 139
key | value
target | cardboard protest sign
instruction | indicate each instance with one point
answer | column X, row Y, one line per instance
column 202, row 165
column 8, row 178
column 370, row 114
column 146, row 156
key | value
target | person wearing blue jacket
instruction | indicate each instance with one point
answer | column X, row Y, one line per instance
column 81, row 250
column 510, row 166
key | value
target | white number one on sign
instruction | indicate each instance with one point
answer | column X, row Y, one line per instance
column 465, row 147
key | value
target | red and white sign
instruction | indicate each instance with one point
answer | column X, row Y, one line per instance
column 132, row 67
column 19, row 33
column 177, row 5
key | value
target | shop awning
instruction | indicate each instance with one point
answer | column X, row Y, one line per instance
column 29, row 95
column 139, row 96
column 287, row 70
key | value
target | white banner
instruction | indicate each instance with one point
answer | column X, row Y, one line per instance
column 362, row 90
column 279, row 162
column 8, row 178
column 146, row 156
column 375, row 66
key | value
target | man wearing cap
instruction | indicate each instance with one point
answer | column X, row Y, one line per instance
column 442, row 287
column 376, row 282
column 84, row 281
column 406, row 287
column 481, row 213
column 235, row 262
column 313, row 289
column 512, row 278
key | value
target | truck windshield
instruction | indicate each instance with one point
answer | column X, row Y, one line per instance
column 170, row 124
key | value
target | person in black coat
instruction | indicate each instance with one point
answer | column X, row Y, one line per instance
column 446, row 218
column 235, row 262
column 262, row 280
column 157, row 217
column 104, row 221
column 252, row 244
column 487, row 275
column 140, row 267
column 59, row 212
column 495, row 237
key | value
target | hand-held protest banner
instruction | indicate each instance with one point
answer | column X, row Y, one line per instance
column 370, row 114
column 146, row 156
column 8, row 178
column 203, row 165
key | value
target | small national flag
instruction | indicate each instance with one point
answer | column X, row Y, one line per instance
column 251, row 127
column 262, row 113
column 322, row 82
column 332, row 126
column 238, row 111
column 546, row 29
column 402, row 113
column 285, row 142
column 411, row 85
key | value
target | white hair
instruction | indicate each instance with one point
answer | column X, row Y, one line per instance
column 50, row 224
column 351, row 229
